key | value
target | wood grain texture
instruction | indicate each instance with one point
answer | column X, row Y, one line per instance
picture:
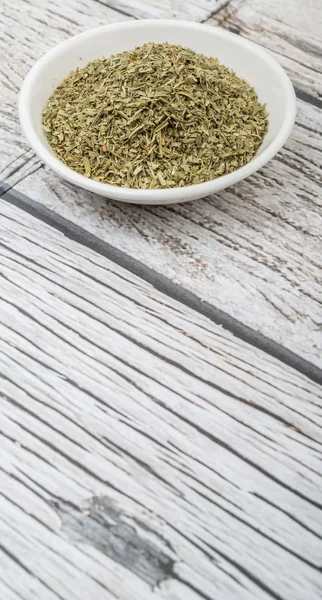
column 31, row 27
column 190, row 10
column 253, row 250
column 294, row 37
column 143, row 449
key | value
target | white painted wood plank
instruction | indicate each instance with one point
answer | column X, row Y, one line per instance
column 253, row 250
column 30, row 28
column 190, row 10
column 291, row 34
column 142, row 447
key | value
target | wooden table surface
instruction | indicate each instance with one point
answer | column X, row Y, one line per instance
column 160, row 367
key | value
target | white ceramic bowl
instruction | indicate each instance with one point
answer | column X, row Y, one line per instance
column 247, row 59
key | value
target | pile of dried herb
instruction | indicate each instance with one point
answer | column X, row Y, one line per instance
column 158, row 116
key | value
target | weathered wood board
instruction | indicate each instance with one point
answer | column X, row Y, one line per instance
column 143, row 449
column 283, row 28
column 190, row 10
column 253, row 250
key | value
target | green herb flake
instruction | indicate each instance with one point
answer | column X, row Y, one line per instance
column 158, row 116
column 87, row 166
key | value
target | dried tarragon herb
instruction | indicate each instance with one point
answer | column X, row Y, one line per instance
column 159, row 116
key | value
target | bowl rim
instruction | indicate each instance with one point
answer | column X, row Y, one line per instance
column 156, row 195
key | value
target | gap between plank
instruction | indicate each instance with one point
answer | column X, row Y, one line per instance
column 161, row 283
column 119, row 10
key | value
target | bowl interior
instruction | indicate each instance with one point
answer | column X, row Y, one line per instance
column 246, row 59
